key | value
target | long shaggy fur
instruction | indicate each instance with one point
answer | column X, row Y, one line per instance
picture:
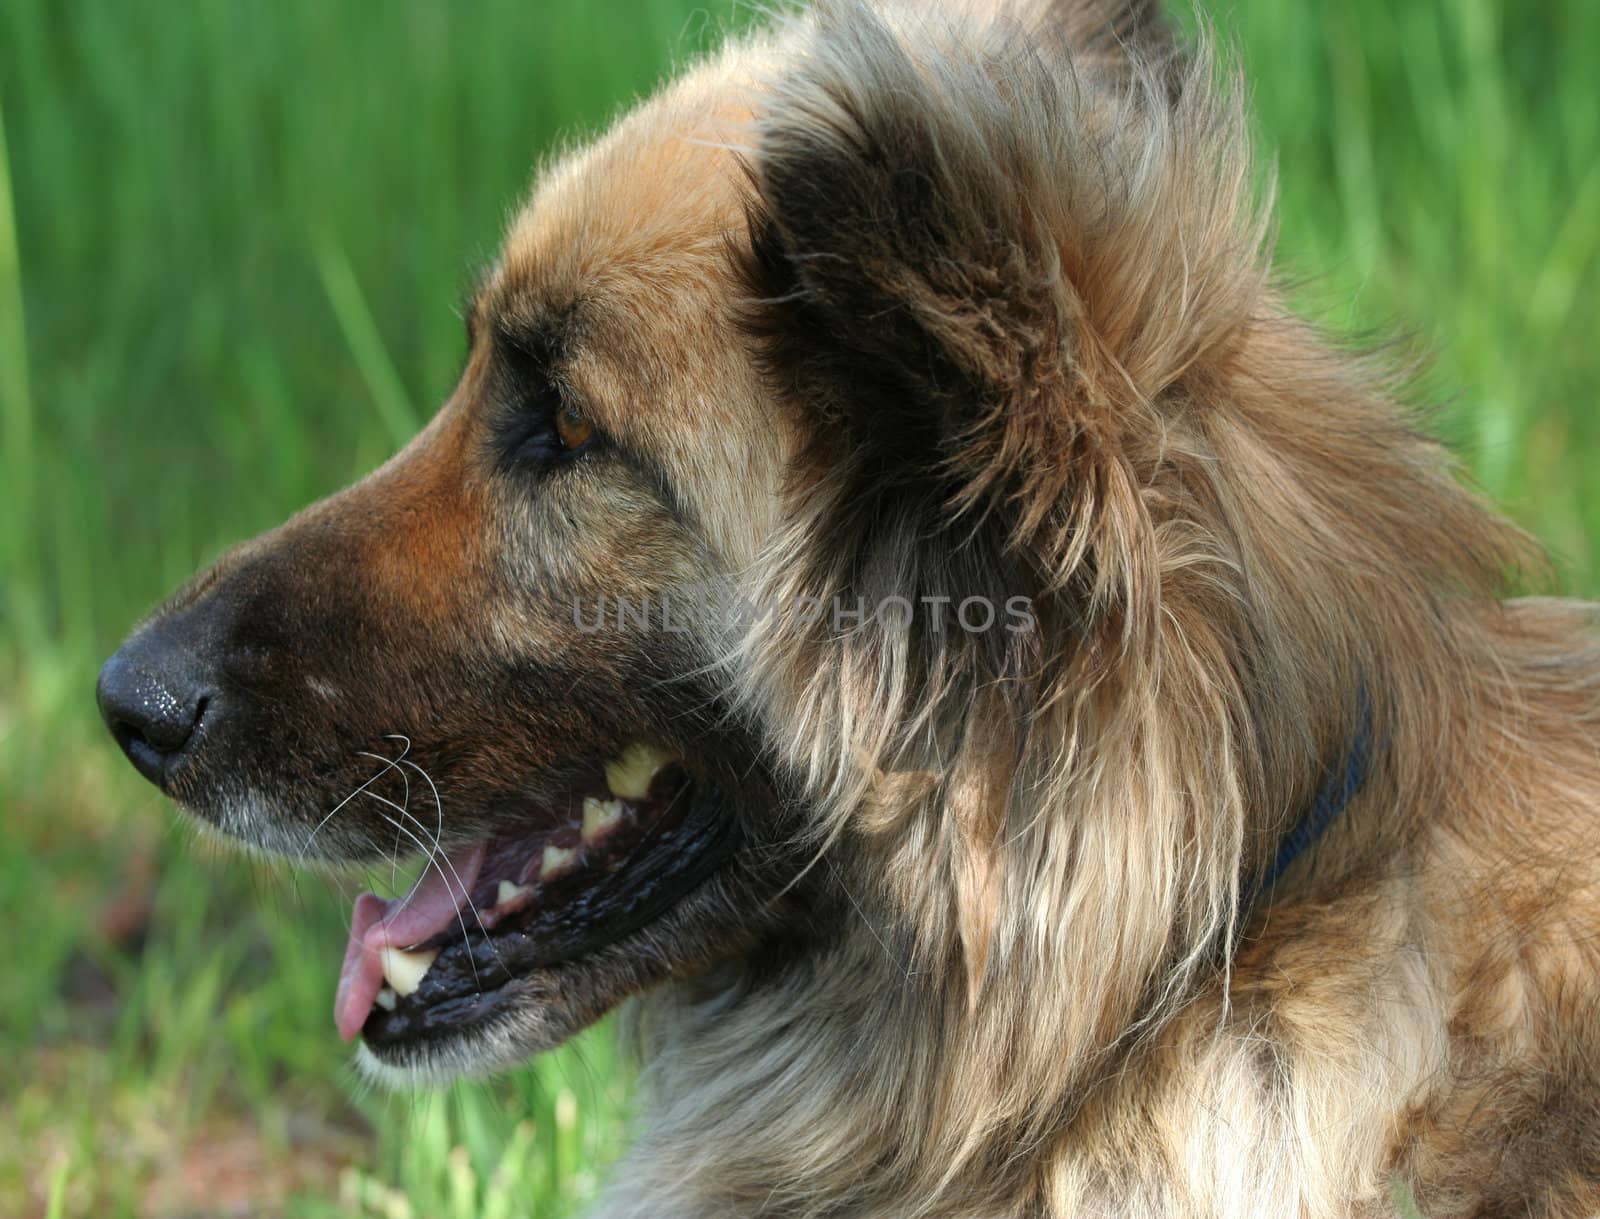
column 896, row 310
column 1011, row 269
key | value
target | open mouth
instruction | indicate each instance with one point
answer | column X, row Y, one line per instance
column 607, row 858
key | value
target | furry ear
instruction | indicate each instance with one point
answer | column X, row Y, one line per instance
column 977, row 262
column 980, row 261
column 1109, row 33
column 909, row 285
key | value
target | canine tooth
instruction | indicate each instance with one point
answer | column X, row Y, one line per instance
column 404, row 970
column 556, row 861
column 385, row 999
column 599, row 816
column 509, row 891
column 629, row 775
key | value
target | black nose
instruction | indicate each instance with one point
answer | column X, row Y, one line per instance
column 153, row 696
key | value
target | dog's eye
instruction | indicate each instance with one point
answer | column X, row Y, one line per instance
column 541, row 423
column 574, row 428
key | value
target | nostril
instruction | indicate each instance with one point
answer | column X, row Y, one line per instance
column 147, row 759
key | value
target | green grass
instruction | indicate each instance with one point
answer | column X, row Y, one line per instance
column 232, row 238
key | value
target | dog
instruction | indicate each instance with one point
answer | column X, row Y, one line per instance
column 1029, row 726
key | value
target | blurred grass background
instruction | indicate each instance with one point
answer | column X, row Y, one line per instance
column 232, row 239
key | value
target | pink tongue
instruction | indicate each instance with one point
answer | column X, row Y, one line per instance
column 379, row 923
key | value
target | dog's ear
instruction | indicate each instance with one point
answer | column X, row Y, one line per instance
column 1108, row 31
column 1103, row 28
column 976, row 264
column 979, row 261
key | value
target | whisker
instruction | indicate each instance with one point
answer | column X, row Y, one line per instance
column 405, row 800
column 388, row 765
column 432, row 859
column 438, row 805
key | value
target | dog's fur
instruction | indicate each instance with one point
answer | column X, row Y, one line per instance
column 971, row 299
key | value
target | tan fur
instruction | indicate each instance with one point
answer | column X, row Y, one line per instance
column 1044, row 1005
column 951, row 298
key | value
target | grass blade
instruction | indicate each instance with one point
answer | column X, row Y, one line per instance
column 16, row 408
column 366, row 345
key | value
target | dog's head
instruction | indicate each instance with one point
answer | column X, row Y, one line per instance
column 500, row 650
column 882, row 449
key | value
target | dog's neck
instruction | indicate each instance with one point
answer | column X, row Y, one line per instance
column 1342, row 783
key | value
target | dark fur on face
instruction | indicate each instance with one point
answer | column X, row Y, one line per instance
column 950, row 304
column 426, row 660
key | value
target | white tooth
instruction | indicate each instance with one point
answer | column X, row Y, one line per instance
column 404, row 970
column 556, row 861
column 385, row 999
column 629, row 775
column 509, row 891
column 599, row 816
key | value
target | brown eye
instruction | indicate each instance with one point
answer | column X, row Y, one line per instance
column 573, row 426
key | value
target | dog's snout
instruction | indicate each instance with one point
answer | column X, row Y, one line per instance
column 153, row 695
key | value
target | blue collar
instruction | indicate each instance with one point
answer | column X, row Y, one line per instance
column 1333, row 797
